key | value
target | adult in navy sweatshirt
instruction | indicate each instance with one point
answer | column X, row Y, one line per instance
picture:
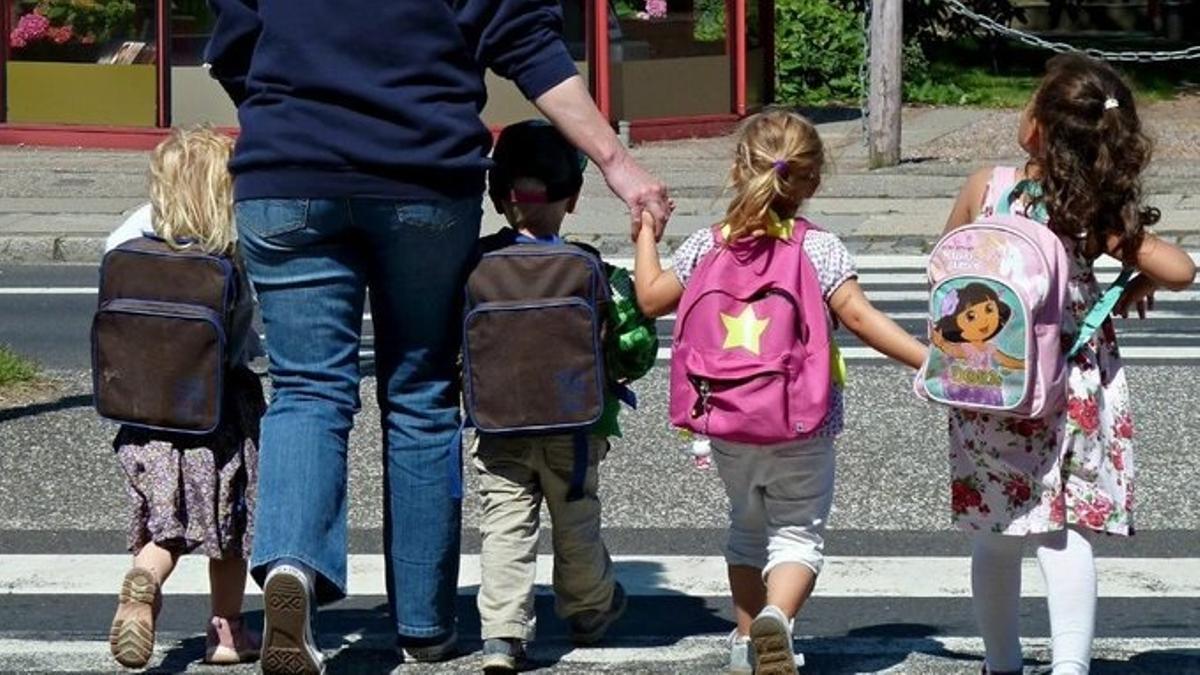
column 360, row 164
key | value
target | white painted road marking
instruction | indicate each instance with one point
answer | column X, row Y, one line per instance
column 60, row 656
column 697, row 576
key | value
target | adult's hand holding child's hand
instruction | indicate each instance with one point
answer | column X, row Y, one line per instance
column 641, row 192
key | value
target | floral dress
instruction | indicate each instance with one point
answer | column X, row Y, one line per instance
column 1074, row 467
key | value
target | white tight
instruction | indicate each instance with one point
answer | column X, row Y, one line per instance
column 1069, row 569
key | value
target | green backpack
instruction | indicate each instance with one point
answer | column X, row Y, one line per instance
column 632, row 344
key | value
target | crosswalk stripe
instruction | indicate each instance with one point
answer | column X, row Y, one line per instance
column 651, row 649
column 697, row 576
column 1142, row 354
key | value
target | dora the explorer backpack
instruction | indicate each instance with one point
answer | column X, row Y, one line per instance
column 751, row 355
column 998, row 295
column 161, row 336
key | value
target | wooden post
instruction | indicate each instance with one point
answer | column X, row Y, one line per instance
column 886, row 92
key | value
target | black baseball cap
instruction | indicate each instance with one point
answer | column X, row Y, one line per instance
column 534, row 149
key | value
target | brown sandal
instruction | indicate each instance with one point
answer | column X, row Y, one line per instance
column 132, row 635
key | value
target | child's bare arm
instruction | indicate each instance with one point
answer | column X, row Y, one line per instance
column 658, row 291
column 874, row 328
column 1166, row 265
column 970, row 200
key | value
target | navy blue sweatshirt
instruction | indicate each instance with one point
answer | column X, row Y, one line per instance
column 366, row 98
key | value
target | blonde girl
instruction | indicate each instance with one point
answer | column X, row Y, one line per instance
column 1053, row 484
column 189, row 493
column 780, row 496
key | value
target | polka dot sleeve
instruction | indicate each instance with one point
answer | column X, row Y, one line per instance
column 833, row 262
column 688, row 255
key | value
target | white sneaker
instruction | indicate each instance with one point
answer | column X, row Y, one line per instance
column 289, row 647
column 772, row 639
column 740, row 654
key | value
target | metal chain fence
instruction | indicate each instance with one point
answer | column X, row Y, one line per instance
column 1030, row 39
column 994, row 26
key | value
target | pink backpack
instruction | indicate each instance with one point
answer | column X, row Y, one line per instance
column 998, row 294
column 751, row 354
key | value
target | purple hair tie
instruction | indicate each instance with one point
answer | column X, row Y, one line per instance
column 781, row 167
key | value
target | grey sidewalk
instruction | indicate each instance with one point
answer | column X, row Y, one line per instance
column 58, row 205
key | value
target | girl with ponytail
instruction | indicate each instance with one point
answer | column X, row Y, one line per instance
column 1055, row 484
column 780, row 495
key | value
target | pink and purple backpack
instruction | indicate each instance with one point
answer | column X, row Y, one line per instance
column 997, row 300
column 751, row 355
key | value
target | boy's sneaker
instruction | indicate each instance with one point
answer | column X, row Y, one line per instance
column 587, row 628
column 502, row 656
column 434, row 653
column 740, row 654
column 772, row 640
column 288, row 608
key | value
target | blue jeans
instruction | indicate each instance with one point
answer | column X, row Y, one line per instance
column 311, row 262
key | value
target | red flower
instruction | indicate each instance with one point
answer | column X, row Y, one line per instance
column 1096, row 514
column 1123, row 428
column 1084, row 412
column 1017, row 491
column 1058, row 509
column 1025, row 428
column 964, row 497
column 1117, row 456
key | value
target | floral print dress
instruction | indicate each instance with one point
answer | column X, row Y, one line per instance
column 1075, row 467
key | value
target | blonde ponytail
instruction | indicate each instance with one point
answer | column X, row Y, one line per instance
column 777, row 167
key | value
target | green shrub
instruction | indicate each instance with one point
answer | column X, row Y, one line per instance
column 819, row 49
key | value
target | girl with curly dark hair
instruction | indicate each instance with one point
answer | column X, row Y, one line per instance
column 1057, row 481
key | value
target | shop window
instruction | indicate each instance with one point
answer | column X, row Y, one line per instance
column 82, row 62
column 670, row 58
column 196, row 98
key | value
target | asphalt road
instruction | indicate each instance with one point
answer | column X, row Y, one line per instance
column 892, row 599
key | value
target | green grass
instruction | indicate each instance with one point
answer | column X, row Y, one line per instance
column 966, row 74
column 15, row 369
column 972, row 86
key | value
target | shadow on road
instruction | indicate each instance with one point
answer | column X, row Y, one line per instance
column 64, row 403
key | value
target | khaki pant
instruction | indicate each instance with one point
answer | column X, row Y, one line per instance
column 515, row 475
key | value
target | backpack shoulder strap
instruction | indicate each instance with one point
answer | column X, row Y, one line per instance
column 1100, row 311
column 1004, row 179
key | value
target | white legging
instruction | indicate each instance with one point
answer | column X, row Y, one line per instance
column 1069, row 569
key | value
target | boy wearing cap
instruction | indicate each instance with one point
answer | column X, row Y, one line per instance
column 535, row 183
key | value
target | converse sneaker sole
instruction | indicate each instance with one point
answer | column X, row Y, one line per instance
column 772, row 648
column 132, row 641
column 285, row 649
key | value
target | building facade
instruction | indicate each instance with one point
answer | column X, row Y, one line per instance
column 118, row 73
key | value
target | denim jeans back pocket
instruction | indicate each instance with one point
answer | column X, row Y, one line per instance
column 436, row 218
column 267, row 218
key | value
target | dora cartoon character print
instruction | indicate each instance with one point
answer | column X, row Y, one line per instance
column 974, row 364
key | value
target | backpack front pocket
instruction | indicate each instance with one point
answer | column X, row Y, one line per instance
column 159, row 365
column 533, row 365
column 981, row 335
column 737, row 399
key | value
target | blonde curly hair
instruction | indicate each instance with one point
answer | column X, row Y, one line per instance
column 191, row 190
column 777, row 167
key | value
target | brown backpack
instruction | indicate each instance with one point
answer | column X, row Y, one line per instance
column 533, row 354
column 163, row 334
